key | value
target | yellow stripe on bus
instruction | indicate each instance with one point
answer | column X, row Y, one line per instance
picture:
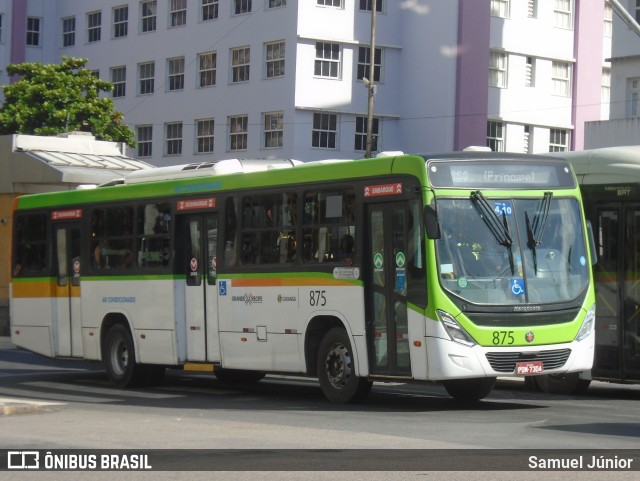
column 36, row 289
column 192, row 366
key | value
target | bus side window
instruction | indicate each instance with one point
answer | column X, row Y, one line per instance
column 153, row 244
column 30, row 239
column 230, row 233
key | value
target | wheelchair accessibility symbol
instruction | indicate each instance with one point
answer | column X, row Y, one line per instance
column 517, row 286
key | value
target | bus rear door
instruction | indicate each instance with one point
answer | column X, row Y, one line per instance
column 196, row 261
column 67, row 323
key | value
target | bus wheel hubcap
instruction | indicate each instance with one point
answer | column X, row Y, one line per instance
column 120, row 357
column 338, row 366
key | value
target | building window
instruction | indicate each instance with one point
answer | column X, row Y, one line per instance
column 207, row 68
column 145, row 140
column 175, row 68
column 277, row 3
column 500, row 8
column 149, row 10
column 527, row 144
column 120, row 21
column 178, row 13
column 241, row 6
column 204, row 136
column 561, row 79
column 119, row 81
column 634, row 97
column 146, row 78
column 563, row 13
column 608, row 20
column 532, row 8
column 69, row 31
column 330, row 3
column 173, row 136
column 209, row 10
column 33, row 31
column 238, row 132
column 605, row 97
column 636, row 13
column 94, row 26
column 530, row 72
column 325, row 130
column 364, row 62
column 365, row 5
column 1, row 17
column 361, row 134
column 275, row 59
column 495, row 136
column 558, row 140
column 497, row 69
column 240, row 58
column 273, row 130
column 327, row 62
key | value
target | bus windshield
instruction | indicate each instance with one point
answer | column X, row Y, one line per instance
column 512, row 251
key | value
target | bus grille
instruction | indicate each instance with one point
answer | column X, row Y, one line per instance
column 506, row 361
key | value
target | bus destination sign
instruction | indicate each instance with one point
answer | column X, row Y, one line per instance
column 194, row 204
column 499, row 175
column 66, row 214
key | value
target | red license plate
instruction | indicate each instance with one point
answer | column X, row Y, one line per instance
column 529, row 368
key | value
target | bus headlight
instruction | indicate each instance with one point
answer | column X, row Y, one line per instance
column 455, row 330
column 588, row 324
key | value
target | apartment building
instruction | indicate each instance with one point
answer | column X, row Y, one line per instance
column 622, row 127
column 201, row 80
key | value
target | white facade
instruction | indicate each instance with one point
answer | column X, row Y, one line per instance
column 623, row 126
column 421, row 95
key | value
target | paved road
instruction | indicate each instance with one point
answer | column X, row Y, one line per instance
column 56, row 405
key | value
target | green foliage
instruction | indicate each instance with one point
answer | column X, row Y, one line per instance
column 50, row 99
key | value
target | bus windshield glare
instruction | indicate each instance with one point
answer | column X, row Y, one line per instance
column 512, row 251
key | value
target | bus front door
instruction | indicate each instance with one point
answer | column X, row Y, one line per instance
column 386, row 288
column 67, row 329
column 617, row 277
column 196, row 261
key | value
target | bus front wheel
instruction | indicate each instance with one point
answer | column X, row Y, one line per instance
column 336, row 370
column 120, row 359
column 469, row 390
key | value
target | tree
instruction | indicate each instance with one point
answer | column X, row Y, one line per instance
column 50, row 99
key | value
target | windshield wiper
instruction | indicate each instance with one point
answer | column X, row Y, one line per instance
column 500, row 230
column 536, row 230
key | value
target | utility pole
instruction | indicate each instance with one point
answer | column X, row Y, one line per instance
column 370, row 84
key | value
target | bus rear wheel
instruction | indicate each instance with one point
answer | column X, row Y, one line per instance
column 470, row 390
column 336, row 370
column 120, row 358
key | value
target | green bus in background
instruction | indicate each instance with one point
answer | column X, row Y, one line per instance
column 456, row 268
column 609, row 179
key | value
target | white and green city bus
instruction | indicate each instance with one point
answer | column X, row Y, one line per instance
column 456, row 268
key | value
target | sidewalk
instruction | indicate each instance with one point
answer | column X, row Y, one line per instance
column 9, row 405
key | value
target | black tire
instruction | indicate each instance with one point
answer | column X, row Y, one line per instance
column 562, row 383
column 336, row 374
column 239, row 376
column 470, row 390
column 119, row 358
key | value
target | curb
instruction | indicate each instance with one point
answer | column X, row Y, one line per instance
column 7, row 409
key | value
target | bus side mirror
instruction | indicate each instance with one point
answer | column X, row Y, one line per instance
column 431, row 222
